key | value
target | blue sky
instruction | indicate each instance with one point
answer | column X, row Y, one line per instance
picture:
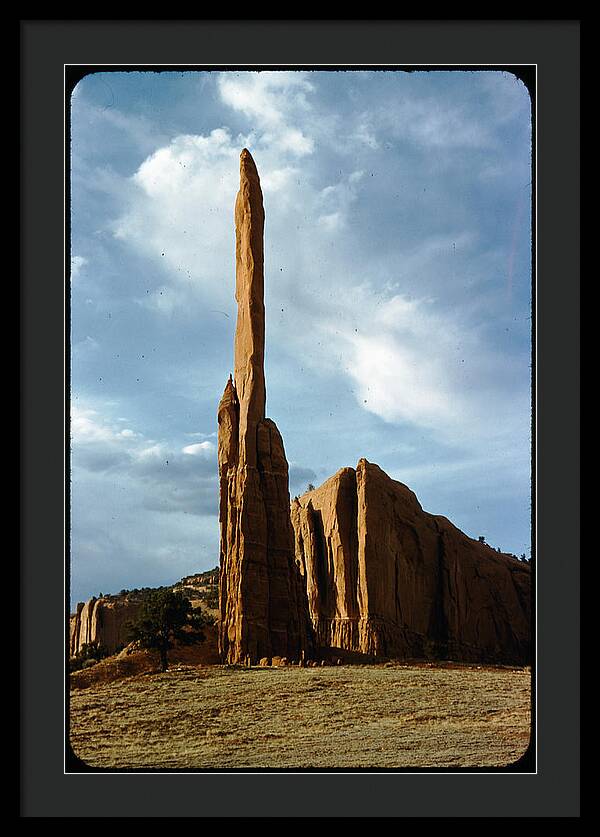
column 397, row 291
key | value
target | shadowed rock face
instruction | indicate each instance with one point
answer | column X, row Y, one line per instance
column 385, row 578
column 262, row 603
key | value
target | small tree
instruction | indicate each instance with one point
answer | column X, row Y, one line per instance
column 88, row 655
column 310, row 487
column 166, row 616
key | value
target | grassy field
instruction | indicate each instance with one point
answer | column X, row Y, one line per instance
column 332, row 717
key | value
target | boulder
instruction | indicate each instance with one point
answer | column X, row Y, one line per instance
column 279, row 661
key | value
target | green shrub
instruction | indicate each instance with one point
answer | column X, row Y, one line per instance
column 88, row 655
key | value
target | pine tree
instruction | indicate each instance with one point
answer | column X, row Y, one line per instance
column 164, row 617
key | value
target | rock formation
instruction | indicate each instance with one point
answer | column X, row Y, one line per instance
column 263, row 612
column 103, row 621
column 385, row 578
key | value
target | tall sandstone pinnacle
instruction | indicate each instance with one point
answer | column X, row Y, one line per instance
column 262, row 599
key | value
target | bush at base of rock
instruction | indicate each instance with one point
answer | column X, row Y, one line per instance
column 88, row 655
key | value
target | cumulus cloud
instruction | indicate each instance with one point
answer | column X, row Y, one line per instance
column 199, row 449
column 180, row 199
column 181, row 213
column 87, row 426
column 405, row 357
column 157, row 474
column 142, row 511
column 275, row 100
column 413, row 363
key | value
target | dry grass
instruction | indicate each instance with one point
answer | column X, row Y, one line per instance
column 331, row 717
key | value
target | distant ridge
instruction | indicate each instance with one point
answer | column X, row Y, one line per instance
column 104, row 619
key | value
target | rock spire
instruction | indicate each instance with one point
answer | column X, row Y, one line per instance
column 262, row 600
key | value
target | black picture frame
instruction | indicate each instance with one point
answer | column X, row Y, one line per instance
column 46, row 47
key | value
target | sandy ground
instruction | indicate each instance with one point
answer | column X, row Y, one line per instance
column 332, row 717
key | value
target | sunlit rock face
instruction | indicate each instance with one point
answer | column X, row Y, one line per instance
column 104, row 621
column 385, row 578
column 262, row 600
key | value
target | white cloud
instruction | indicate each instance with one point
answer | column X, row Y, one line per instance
column 406, row 362
column 199, row 449
column 400, row 359
column 397, row 385
column 87, row 426
column 274, row 99
column 291, row 139
column 155, row 451
column 412, row 363
column 166, row 300
column 181, row 214
column 156, row 475
column 277, row 180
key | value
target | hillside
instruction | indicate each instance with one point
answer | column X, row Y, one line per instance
column 104, row 620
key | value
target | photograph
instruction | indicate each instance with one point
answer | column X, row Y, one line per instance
column 300, row 484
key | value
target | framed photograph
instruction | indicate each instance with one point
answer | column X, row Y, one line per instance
column 302, row 452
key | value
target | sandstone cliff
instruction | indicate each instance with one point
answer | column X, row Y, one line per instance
column 385, row 578
column 103, row 621
column 262, row 609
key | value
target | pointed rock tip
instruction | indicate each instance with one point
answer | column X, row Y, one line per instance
column 247, row 163
column 229, row 392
